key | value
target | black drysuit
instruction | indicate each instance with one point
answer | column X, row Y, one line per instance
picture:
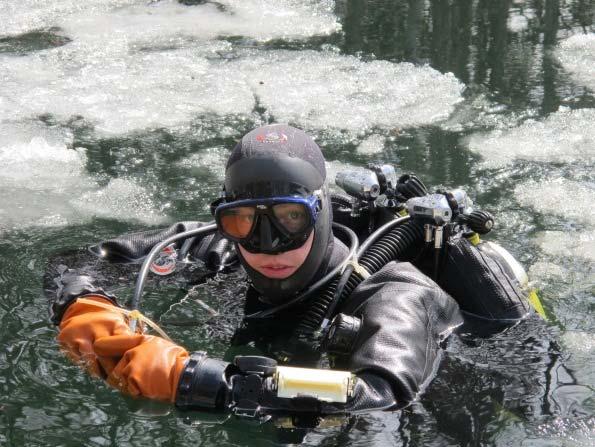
column 404, row 318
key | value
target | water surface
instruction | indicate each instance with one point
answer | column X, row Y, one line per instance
column 118, row 115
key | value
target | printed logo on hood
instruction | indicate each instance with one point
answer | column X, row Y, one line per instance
column 272, row 137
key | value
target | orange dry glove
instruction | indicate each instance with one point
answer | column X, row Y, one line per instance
column 140, row 365
column 148, row 366
column 83, row 324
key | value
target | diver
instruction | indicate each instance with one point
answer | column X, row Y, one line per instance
column 380, row 333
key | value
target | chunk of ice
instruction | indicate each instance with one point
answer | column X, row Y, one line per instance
column 517, row 22
column 574, row 244
column 213, row 159
column 159, row 22
column 372, row 145
column 121, row 91
column 565, row 198
column 121, row 199
column 21, row 16
column 332, row 92
column 577, row 56
column 44, row 183
column 564, row 136
column 579, row 342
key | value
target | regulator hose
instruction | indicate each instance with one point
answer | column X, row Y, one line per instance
column 396, row 240
column 408, row 186
column 341, row 199
column 144, row 271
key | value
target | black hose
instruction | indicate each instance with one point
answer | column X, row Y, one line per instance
column 399, row 243
column 408, row 186
column 379, row 233
column 341, row 199
column 347, row 273
column 312, row 319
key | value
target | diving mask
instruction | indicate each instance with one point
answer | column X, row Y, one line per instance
column 268, row 225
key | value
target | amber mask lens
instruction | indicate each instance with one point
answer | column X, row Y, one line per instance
column 237, row 222
column 292, row 216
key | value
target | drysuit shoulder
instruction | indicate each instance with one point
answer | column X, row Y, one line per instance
column 404, row 318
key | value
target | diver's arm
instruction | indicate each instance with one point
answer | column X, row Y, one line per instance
column 94, row 332
column 70, row 286
column 393, row 354
column 404, row 317
column 214, row 384
column 107, row 262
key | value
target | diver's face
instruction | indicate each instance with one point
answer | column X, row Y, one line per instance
column 281, row 265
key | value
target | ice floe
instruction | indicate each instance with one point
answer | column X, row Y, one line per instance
column 121, row 199
column 138, row 20
column 568, row 244
column 371, row 145
column 564, row 136
column 517, row 23
column 44, row 182
column 568, row 199
column 121, row 92
column 332, row 92
column 22, row 16
column 577, row 55
column 212, row 159
column 131, row 66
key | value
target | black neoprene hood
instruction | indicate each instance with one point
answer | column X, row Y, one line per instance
column 274, row 160
column 280, row 160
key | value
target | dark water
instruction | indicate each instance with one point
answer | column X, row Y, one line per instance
column 531, row 385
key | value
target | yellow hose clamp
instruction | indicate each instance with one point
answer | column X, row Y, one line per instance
column 357, row 268
column 135, row 321
column 322, row 384
column 474, row 238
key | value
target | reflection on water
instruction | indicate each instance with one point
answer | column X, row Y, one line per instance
column 103, row 132
column 477, row 40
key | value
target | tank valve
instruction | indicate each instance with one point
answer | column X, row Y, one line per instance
column 480, row 222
